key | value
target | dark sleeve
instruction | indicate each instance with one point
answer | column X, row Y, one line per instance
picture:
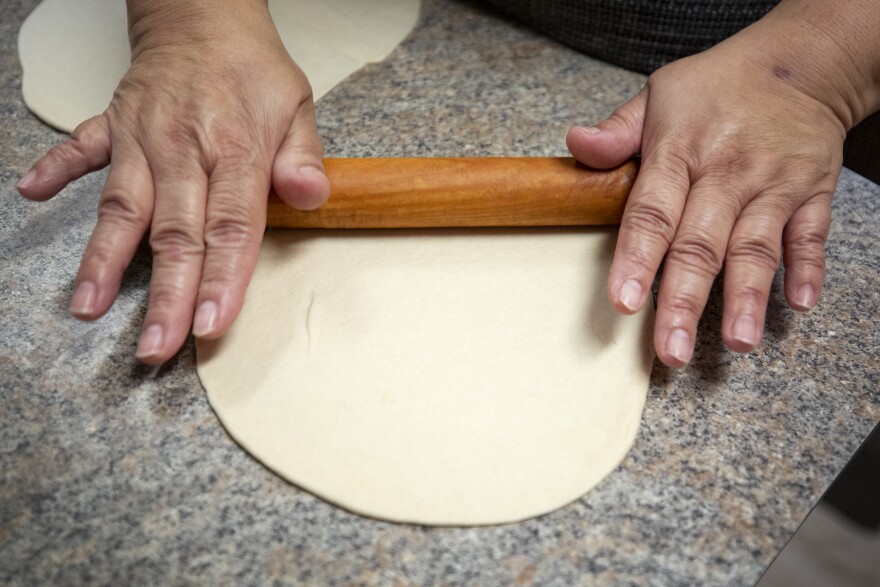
column 641, row 35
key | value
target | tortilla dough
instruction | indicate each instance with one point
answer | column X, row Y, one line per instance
column 440, row 377
column 435, row 377
column 74, row 52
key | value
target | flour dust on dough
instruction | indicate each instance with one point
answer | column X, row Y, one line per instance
column 437, row 377
column 74, row 52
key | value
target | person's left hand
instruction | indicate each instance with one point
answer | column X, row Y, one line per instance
column 738, row 165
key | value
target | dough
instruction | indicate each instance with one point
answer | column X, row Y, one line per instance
column 435, row 377
column 74, row 52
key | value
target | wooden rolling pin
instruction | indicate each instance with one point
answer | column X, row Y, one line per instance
column 473, row 191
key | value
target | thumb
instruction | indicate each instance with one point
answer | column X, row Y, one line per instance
column 88, row 149
column 298, row 171
column 615, row 139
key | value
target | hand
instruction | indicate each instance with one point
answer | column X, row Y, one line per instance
column 211, row 114
column 739, row 164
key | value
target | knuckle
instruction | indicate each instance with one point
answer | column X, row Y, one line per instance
column 805, row 258
column 89, row 131
column 686, row 305
column 176, row 241
column 227, row 231
column 70, row 153
column 231, row 147
column 754, row 297
column 697, row 253
column 296, row 155
column 173, row 144
column 89, row 141
column 642, row 259
column 98, row 254
column 807, row 240
column 755, row 250
column 175, row 132
column 165, row 296
column 179, row 148
column 678, row 158
column 724, row 173
column 624, row 117
column 808, row 264
column 119, row 207
column 728, row 158
column 650, row 218
column 234, row 158
column 805, row 249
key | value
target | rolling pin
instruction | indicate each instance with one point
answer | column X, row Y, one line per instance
column 467, row 192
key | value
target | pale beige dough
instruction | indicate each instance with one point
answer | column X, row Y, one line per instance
column 435, row 377
column 74, row 52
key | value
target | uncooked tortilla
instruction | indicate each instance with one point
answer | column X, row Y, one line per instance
column 439, row 377
column 74, row 52
column 434, row 377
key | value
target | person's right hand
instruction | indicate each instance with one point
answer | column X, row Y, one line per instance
column 212, row 113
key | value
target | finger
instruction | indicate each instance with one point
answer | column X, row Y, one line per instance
column 804, row 252
column 177, row 240
column 694, row 260
column 753, row 256
column 298, row 172
column 647, row 228
column 87, row 150
column 615, row 139
column 124, row 213
column 236, row 217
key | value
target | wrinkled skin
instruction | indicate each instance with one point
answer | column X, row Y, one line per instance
column 195, row 135
column 737, row 171
column 740, row 147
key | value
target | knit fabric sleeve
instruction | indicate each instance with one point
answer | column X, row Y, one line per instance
column 641, row 35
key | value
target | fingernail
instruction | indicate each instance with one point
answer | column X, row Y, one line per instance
column 806, row 296
column 82, row 302
column 27, row 180
column 679, row 345
column 206, row 316
column 631, row 294
column 150, row 342
column 745, row 330
column 590, row 130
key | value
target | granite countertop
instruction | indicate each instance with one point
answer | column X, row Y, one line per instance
column 115, row 473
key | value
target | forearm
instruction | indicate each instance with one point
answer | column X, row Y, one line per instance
column 828, row 50
column 165, row 23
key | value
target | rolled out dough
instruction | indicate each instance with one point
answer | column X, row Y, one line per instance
column 74, row 52
column 434, row 377
column 440, row 377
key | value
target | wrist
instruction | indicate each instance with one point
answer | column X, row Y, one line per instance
column 829, row 53
column 169, row 24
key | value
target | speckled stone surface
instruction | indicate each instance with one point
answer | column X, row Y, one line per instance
column 111, row 473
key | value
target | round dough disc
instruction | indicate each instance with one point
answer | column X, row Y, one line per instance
column 74, row 52
column 437, row 377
